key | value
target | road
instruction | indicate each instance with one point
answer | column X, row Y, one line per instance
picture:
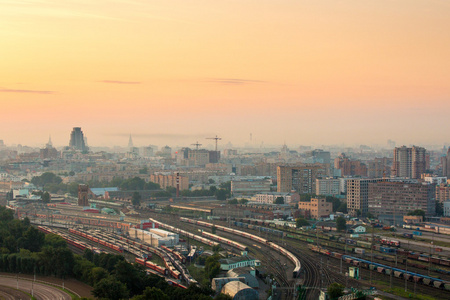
column 39, row 290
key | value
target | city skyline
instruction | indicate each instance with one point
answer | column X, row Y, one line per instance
column 294, row 72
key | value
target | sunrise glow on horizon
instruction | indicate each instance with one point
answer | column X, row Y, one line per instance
column 300, row 72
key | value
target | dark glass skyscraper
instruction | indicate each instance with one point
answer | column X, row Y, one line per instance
column 77, row 139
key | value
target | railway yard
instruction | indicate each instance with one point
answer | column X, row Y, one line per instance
column 299, row 262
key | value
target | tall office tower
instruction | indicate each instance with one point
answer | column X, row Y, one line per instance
column 445, row 160
column 409, row 162
column 301, row 177
column 77, row 139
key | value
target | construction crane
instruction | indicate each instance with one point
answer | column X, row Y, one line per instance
column 196, row 144
column 215, row 138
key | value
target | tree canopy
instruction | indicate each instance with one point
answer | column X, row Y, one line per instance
column 341, row 224
column 417, row 212
column 335, row 290
column 299, row 222
column 279, row 200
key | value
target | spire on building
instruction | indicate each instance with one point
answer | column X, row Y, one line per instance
column 49, row 144
column 130, row 142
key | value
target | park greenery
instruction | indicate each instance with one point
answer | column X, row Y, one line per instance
column 24, row 249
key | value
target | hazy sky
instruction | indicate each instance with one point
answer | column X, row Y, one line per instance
column 176, row 71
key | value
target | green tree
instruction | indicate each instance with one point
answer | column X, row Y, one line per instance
column 439, row 208
column 306, row 197
column 335, row 290
column 342, row 208
column 213, row 229
column 417, row 212
column 171, row 189
column 152, row 293
column 299, row 222
column 341, row 224
column 221, row 194
column 110, row 288
column 136, row 199
column 222, row 296
column 46, row 197
column 233, row 201
column 226, row 186
column 46, row 178
column 144, row 170
column 336, row 202
column 243, row 201
column 212, row 189
column 279, row 200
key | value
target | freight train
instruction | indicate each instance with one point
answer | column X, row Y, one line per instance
column 96, row 239
column 185, row 233
column 383, row 269
column 225, row 241
column 70, row 240
column 258, row 239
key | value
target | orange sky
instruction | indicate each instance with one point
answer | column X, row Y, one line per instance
column 304, row 72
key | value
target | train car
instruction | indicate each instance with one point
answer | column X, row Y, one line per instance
column 174, row 283
column 225, row 241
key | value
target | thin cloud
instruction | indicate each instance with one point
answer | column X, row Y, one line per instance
column 234, row 81
column 26, row 91
column 120, row 82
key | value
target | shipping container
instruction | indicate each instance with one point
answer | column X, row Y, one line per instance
column 359, row 251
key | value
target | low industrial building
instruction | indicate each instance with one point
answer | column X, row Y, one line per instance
column 155, row 237
column 248, row 273
column 237, row 262
column 239, row 291
column 270, row 198
column 218, row 283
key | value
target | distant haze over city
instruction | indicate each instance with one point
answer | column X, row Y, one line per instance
column 294, row 72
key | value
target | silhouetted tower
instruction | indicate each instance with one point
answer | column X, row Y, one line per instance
column 77, row 139
column 215, row 138
column 83, row 192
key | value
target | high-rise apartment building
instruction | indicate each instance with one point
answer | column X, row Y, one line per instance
column 328, row 187
column 77, row 139
column 301, row 177
column 400, row 198
column 357, row 195
column 379, row 167
column 409, row 162
column 349, row 167
column 445, row 161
